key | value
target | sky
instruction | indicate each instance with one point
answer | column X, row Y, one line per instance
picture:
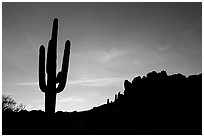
column 110, row 42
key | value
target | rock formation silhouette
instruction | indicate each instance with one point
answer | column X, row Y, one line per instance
column 50, row 88
column 161, row 102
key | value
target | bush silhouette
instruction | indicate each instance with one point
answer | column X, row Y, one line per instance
column 9, row 104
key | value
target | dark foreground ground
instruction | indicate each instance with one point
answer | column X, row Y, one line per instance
column 153, row 105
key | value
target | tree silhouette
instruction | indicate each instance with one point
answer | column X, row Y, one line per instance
column 9, row 104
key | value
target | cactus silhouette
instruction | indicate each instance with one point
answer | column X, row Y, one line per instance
column 55, row 83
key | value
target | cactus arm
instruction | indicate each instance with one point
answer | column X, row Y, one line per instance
column 59, row 77
column 42, row 82
column 62, row 75
column 65, row 63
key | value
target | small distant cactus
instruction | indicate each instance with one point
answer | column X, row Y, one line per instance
column 108, row 101
column 116, row 97
column 51, row 88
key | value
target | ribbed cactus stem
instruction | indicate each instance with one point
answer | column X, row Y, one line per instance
column 50, row 88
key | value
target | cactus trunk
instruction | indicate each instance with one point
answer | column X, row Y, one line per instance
column 50, row 88
column 50, row 102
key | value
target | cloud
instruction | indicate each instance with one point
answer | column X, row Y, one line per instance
column 96, row 82
column 72, row 99
column 112, row 54
column 28, row 84
column 92, row 94
column 166, row 46
column 34, row 85
column 84, row 81
column 101, row 56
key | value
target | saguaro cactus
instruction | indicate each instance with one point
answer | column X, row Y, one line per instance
column 55, row 83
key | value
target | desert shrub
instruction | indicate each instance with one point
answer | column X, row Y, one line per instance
column 9, row 104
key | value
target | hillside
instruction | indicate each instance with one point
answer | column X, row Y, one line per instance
column 154, row 104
